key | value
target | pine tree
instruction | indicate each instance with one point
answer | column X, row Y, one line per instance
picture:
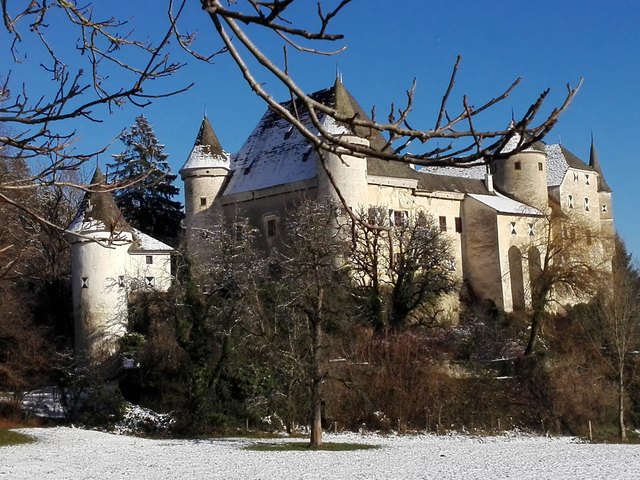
column 146, row 199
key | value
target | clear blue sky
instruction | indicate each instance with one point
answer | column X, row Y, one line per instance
column 549, row 43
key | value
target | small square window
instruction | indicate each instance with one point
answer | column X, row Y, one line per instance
column 149, row 259
column 458, row 221
column 540, row 167
column 570, row 201
column 586, row 203
column 203, row 201
column 517, row 165
column 513, row 228
column 150, row 281
column 84, row 282
column 443, row 224
column 531, row 231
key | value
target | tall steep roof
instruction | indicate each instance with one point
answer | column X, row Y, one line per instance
column 98, row 210
column 206, row 151
column 594, row 162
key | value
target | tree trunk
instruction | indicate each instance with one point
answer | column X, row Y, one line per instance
column 536, row 320
column 621, row 428
column 316, row 395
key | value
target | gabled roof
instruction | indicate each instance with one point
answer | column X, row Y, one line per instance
column 206, row 152
column 98, row 210
column 594, row 162
column 277, row 153
column 559, row 160
column 143, row 243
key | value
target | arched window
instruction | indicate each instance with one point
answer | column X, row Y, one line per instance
column 517, row 280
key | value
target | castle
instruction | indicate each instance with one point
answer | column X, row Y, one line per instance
column 493, row 216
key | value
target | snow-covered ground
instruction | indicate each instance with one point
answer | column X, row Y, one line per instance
column 68, row 453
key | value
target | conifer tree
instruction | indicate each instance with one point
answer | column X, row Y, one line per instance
column 146, row 199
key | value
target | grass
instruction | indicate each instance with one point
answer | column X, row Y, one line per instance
column 9, row 437
column 305, row 447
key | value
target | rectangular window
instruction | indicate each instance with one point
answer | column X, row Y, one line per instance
column 400, row 217
column 150, row 281
column 531, row 231
column 517, row 165
column 272, row 227
column 458, row 221
column 575, row 177
column 540, row 166
column 203, row 202
column 121, row 281
column 604, row 208
column 149, row 259
column 84, row 282
column 513, row 228
column 443, row 224
column 586, row 204
column 586, row 177
column 570, row 201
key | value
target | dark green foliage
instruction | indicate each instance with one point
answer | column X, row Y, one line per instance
column 143, row 172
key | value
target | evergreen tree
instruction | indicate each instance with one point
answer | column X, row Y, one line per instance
column 146, row 199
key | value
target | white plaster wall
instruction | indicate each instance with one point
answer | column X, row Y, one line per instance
column 349, row 173
column 160, row 270
column 100, row 311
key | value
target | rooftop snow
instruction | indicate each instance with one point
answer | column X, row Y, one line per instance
column 504, row 204
column 144, row 243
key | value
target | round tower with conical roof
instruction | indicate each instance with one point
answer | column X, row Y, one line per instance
column 523, row 175
column 205, row 174
column 348, row 172
column 100, row 238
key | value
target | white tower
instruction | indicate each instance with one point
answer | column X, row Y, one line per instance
column 349, row 172
column 100, row 238
column 205, row 174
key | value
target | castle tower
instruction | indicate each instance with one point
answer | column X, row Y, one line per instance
column 204, row 174
column 100, row 238
column 523, row 175
column 604, row 195
column 348, row 171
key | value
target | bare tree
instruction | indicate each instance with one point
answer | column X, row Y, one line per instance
column 565, row 265
column 317, row 283
column 112, row 66
column 615, row 328
column 402, row 265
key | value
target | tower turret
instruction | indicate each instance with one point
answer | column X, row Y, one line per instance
column 349, row 172
column 523, row 175
column 205, row 174
column 604, row 194
column 100, row 238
